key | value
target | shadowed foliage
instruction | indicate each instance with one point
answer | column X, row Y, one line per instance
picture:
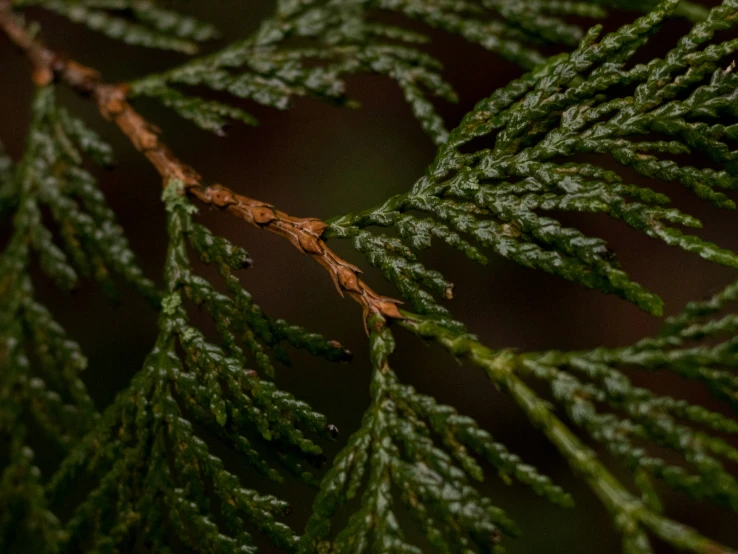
column 498, row 186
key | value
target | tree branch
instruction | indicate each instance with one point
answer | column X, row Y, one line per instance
column 304, row 233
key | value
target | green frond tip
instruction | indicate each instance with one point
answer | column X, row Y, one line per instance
column 40, row 388
column 51, row 176
column 424, row 452
column 503, row 197
column 135, row 22
column 25, row 505
column 339, row 39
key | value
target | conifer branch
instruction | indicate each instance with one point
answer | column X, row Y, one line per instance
column 632, row 515
column 112, row 103
column 187, row 379
column 158, row 476
column 474, row 197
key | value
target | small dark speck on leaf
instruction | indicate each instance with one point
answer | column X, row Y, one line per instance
column 332, row 431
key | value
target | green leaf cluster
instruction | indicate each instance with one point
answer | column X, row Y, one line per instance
column 309, row 48
column 51, row 175
column 159, row 474
column 539, row 127
column 428, row 452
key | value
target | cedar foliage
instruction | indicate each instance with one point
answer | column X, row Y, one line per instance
column 158, row 488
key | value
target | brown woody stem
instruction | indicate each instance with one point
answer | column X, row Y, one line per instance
column 111, row 99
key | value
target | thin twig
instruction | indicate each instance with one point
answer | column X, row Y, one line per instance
column 111, row 99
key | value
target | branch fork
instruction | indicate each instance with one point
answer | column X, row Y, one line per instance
column 305, row 234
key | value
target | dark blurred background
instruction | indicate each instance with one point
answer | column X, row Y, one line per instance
column 320, row 161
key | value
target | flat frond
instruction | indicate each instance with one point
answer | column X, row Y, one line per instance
column 49, row 394
column 339, row 39
column 51, row 175
column 657, row 437
column 425, row 452
column 170, row 473
column 497, row 197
